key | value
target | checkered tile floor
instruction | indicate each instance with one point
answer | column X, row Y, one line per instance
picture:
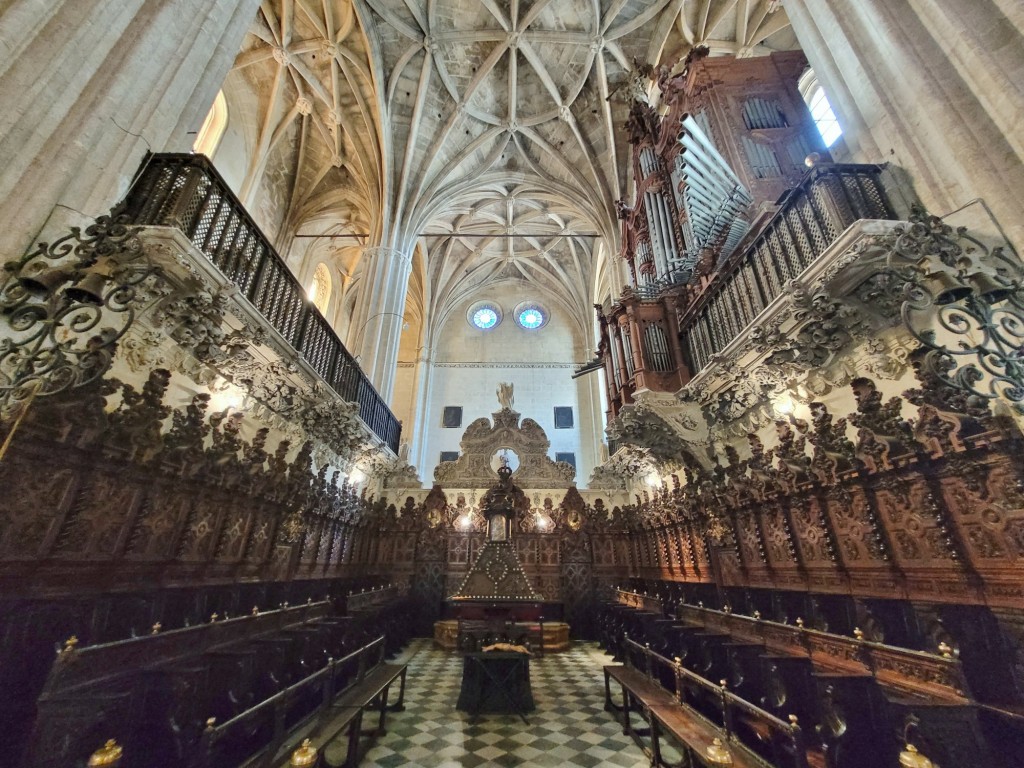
column 569, row 727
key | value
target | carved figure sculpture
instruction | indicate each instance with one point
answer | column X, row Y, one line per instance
column 505, row 396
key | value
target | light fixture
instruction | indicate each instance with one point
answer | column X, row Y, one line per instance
column 784, row 405
column 226, row 397
column 653, row 479
column 356, row 476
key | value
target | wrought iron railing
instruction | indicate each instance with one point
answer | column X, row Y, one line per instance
column 185, row 191
column 812, row 217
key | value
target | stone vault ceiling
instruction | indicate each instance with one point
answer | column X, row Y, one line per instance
column 455, row 123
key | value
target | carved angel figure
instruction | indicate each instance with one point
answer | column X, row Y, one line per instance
column 505, row 396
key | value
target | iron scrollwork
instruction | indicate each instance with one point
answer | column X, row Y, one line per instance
column 974, row 296
column 65, row 306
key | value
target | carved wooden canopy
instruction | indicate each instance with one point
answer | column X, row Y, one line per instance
column 482, row 440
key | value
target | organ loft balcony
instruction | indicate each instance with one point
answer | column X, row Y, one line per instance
column 793, row 295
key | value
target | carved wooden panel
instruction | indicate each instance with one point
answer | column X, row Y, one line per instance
column 809, row 531
column 909, row 513
column 987, row 501
column 851, row 516
column 777, row 537
column 93, row 524
column 749, row 539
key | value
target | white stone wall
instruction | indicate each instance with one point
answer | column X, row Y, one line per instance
column 468, row 364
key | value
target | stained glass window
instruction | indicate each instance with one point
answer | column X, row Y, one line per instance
column 531, row 317
column 485, row 318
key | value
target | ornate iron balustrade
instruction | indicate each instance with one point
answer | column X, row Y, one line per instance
column 812, row 217
column 186, row 192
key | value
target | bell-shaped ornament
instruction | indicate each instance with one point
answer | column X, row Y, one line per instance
column 44, row 281
column 88, row 289
column 990, row 287
column 946, row 289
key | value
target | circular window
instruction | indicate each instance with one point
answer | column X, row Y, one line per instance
column 531, row 316
column 485, row 318
column 484, row 315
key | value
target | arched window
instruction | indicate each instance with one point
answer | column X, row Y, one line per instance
column 213, row 127
column 320, row 288
column 821, row 111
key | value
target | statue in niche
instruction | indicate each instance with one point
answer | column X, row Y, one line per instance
column 505, row 396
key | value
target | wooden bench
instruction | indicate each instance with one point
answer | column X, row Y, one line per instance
column 685, row 714
column 323, row 706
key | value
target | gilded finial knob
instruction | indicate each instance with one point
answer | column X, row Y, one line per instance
column 946, row 650
column 309, row 601
column 723, row 682
column 757, row 615
column 210, row 722
column 255, row 610
column 304, row 755
column 717, row 753
column 911, row 758
column 800, row 623
column 109, row 754
column 213, row 617
column 678, row 661
column 155, row 630
column 70, row 643
column 793, row 721
column 858, row 633
column 284, row 604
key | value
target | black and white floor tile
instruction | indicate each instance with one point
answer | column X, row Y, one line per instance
column 569, row 727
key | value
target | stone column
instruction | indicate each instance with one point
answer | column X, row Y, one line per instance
column 419, row 432
column 591, row 424
column 87, row 86
column 377, row 328
column 933, row 86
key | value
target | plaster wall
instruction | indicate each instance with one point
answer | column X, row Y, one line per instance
column 469, row 363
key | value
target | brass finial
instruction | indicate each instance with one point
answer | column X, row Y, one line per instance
column 793, row 722
column 945, row 650
column 213, row 617
column 109, row 754
column 858, row 633
column 718, row 753
column 911, row 758
column 304, row 755
column 210, row 722
column 284, row 604
column 727, row 608
column 678, row 661
column 757, row 615
column 70, row 643
column 800, row 622
column 155, row 630
column 309, row 601
column 723, row 682
column 255, row 610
